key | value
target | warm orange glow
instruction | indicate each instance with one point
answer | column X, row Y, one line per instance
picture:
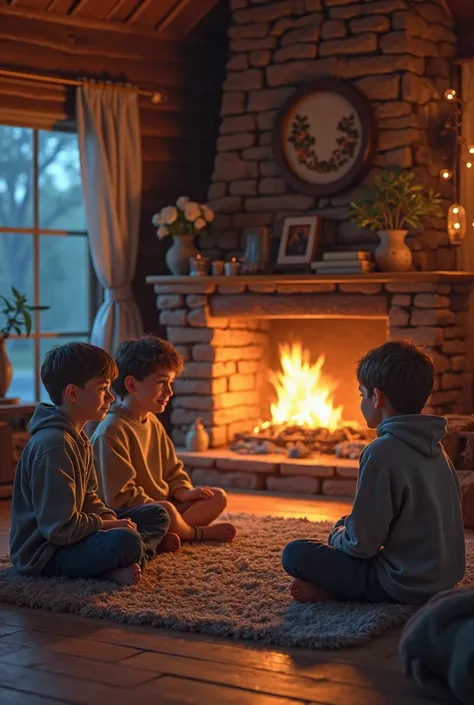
column 305, row 395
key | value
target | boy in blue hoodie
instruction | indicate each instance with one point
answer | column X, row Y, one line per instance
column 60, row 526
column 403, row 540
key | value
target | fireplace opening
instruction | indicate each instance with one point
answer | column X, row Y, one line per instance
column 309, row 393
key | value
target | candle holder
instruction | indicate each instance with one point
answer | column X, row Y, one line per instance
column 232, row 268
column 217, row 267
column 198, row 266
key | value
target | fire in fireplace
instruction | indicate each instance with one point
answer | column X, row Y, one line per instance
column 304, row 417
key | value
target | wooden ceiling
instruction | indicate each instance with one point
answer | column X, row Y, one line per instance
column 165, row 17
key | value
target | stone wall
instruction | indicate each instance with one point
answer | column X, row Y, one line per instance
column 397, row 52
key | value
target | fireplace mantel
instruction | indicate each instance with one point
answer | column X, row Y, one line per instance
column 309, row 279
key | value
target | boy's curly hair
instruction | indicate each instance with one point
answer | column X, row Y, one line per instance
column 143, row 356
column 75, row 363
column 402, row 370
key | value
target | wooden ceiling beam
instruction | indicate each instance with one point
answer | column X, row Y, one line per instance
column 186, row 16
column 151, row 12
column 67, row 20
column 122, row 10
column 59, row 6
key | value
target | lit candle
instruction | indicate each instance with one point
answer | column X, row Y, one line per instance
column 217, row 267
column 232, row 268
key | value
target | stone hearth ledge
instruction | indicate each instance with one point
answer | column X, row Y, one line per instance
column 318, row 474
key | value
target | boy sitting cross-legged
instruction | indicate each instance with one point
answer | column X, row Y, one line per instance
column 403, row 540
column 60, row 526
column 135, row 457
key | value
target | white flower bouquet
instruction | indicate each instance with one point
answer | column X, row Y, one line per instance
column 185, row 218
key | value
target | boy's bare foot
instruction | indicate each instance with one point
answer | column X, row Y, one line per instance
column 129, row 575
column 223, row 532
column 304, row 591
column 170, row 544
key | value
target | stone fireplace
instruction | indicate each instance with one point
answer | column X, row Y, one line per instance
column 228, row 330
column 398, row 53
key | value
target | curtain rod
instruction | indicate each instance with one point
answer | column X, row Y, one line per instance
column 156, row 97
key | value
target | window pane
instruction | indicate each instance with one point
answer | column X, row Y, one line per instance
column 45, row 346
column 16, row 267
column 21, row 354
column 64, row 283
column 16, row 177
column 61, row 205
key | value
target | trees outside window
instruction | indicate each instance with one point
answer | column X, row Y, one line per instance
column 43, row 245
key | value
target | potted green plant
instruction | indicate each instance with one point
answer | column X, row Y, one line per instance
column 392, row 205
column 183, row 221
column 17, row 314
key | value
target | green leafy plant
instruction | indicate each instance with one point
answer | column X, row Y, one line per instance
column 395, row 201
column 18, row 315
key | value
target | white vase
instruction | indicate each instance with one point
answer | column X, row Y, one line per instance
column 197, row 438
column 177, row 257
column 393, row 254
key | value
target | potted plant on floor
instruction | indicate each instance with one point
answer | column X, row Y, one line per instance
column 17, row 314
column 183, row 222
column 392, row 205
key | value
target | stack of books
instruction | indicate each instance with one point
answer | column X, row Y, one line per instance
column 349, row 262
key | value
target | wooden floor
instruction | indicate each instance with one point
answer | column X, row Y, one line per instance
column 51, row 658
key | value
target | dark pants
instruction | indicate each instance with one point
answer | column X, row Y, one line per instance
column 343, row 576
column 115, row 548
column 152, row 522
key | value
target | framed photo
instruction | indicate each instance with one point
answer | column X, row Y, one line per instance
column 325, row 138
column 298, row 241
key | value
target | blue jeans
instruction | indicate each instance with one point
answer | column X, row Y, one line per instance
column 343, row 576
column 115, row 548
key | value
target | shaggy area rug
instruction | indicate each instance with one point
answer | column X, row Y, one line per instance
column 237, row 590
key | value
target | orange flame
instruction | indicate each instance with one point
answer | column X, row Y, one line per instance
column 305, row 395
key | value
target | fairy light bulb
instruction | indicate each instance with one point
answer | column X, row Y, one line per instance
column 446, row 174
column 456, row 223
column 468, row 165
column 470, row 149
column 450, row 94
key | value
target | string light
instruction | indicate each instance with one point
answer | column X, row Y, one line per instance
column 456, row 217
column 456, row 222
column 446, row 174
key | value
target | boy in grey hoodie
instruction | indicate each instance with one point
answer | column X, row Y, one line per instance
column 403, row 540
column 60, row 526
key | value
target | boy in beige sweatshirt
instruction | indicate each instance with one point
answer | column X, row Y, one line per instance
column 135, row 457
column 59, row 525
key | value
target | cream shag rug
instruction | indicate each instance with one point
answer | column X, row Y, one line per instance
column 237, row 590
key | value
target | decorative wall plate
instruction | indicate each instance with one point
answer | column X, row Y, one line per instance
column 325, row 137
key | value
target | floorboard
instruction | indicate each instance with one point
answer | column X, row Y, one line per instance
column 48, row 658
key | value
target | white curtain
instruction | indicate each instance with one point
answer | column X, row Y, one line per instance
column 108, row 126
column 466, row 251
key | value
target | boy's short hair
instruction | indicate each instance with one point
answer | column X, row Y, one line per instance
column 75, row 363
column 401, row 370
column 142, row 357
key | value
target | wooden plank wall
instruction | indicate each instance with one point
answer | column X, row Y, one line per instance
column 178, row 138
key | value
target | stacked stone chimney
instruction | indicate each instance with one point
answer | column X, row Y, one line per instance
column 397, row 52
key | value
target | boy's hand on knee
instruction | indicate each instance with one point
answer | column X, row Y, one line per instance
column 118, row 524
column 197, row 493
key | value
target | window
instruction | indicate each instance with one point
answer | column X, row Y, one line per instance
column 43, row 246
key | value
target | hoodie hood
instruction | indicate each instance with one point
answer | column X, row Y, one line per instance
column 48, row 416
column 422, row 433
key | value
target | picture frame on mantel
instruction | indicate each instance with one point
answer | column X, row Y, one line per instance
column 298, row 242
column 325, row 138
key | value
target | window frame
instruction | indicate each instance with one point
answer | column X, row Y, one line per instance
column 95, row 290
